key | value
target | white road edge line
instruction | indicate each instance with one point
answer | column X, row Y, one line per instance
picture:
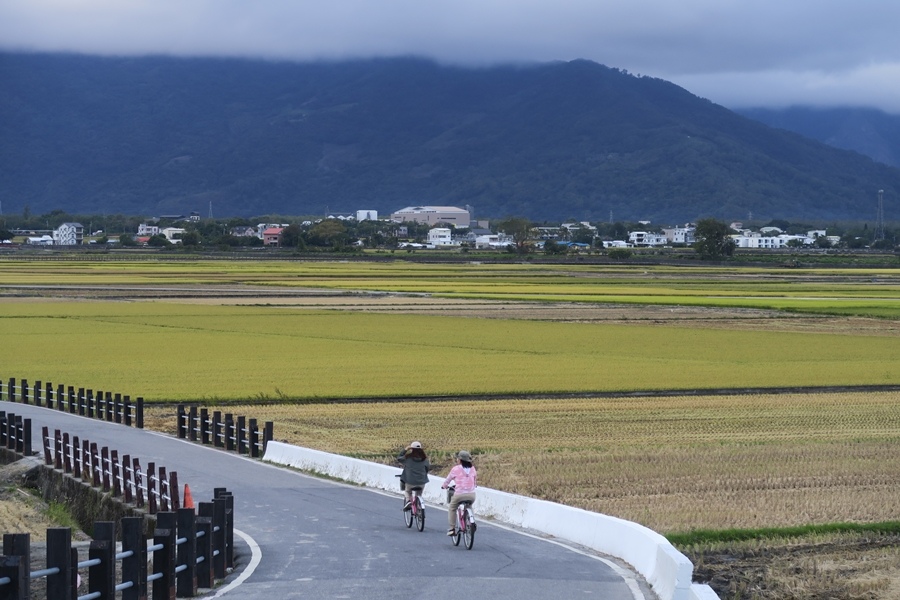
column 255, row 558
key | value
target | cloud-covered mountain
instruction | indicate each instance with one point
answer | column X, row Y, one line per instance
column 553, row 141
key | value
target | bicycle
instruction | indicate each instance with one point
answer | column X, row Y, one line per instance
column 415, row 511
column 465, row 522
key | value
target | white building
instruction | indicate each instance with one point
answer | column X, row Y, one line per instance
column 681, row 235
column 173, row 234
column 492, row 240
column 433, row 215
column 147, row 230
column 367, row 215
column 440, row 236
column 644, row 238
column 44, row 240
column 69, row 234
column 768, row 242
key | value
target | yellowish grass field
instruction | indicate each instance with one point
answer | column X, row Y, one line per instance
column 165, row 351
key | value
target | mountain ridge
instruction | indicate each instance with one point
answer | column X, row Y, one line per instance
column 160, row 135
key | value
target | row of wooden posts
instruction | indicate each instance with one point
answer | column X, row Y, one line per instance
column 15, row 433
column 236, row 434
column 106, row 406
column 101, row 468
column 190, row 550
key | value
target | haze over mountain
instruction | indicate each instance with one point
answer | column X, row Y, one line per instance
column 553, row 141
column 868, row 131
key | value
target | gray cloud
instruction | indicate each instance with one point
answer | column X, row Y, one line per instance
column 737, row 53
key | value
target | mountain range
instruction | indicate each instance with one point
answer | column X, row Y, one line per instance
column 567, row 140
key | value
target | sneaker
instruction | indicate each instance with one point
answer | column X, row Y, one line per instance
column 407, row 506
column 451, row 532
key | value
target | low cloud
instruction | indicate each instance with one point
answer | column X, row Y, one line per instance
column 767, row 52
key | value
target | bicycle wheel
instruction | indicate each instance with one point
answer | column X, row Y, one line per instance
column 469, row 533
column 458, row 537
column 408, row 516
column 420, row 514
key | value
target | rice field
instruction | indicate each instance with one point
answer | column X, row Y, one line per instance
column 171, row 351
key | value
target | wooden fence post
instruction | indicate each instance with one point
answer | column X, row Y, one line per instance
column 11, row 390
column 186, row 580
column 138, row 483
column 151, row 488
column 164, row 559
column 254, row 439
column 126, row 410
column 241, row 435
column 218, row 442
column 102, row 576
column 205, row 575
column 134, row 567
column 67, row 462
column 48, row 394
column 219, row 524
column 204, row 426
column 268, row 434
column 117, row 408
column 110, row 407
column 229, row 432
column 116, row 474
column 26, row 438
column 104, row 464
column 140, row 413
column 229, row 524
column 38, row 388
column 59, row 555
column 182, row 430
column 192, row 424
column 17, row 564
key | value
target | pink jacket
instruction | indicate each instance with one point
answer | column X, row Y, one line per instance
column 466, row 482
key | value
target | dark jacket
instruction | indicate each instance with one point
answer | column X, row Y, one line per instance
column 415, row 470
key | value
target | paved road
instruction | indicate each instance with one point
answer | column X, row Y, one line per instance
column 303, row 537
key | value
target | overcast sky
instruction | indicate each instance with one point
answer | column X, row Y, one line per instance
column 734, row 52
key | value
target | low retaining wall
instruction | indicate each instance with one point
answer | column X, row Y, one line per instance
column 666, row 569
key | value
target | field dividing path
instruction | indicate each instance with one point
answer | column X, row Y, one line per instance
column 298, row 536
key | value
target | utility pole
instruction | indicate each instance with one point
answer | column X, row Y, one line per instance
column 879, row 218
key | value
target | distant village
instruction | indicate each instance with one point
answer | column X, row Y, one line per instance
column 447, row 227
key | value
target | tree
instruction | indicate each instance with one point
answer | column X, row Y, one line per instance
column 329, row 232
column 190, row 239
column 519, row 229
column 551, row 247
column 713, row 239
column 292, row 236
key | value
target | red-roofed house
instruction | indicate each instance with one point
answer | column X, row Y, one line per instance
column 272, row 236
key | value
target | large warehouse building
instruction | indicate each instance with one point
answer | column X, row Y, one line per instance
column 432, row 215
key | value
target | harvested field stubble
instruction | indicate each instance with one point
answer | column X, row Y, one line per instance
column 673, row 464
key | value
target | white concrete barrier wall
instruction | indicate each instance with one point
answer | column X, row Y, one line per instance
column 667, row 570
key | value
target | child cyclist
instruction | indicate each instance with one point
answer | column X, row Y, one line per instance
column 415, row 470
column 466, row 478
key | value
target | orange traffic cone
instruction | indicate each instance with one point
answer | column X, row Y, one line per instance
column 188, row 499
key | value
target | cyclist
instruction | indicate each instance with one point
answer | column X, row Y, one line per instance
column 415, row 470
column 466, row 478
